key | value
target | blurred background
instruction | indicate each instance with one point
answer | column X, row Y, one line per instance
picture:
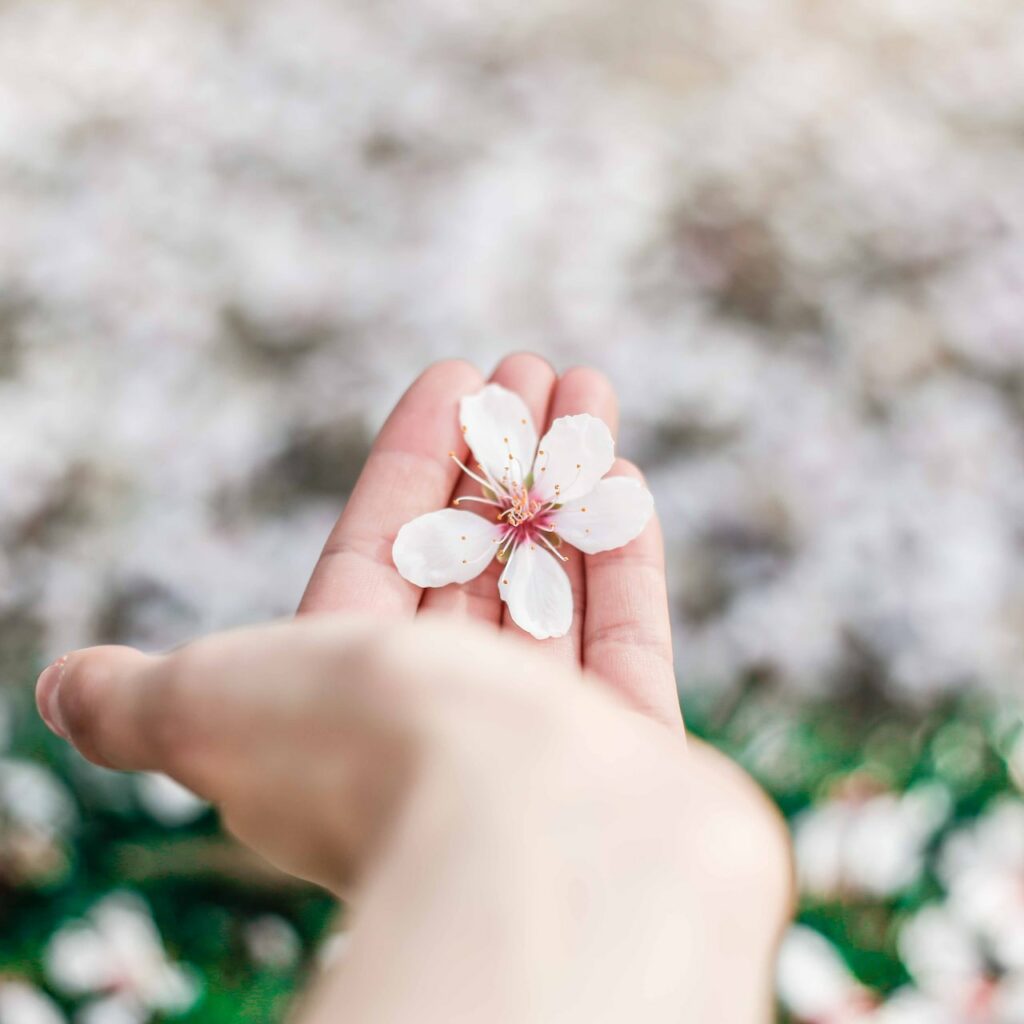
column 791, row 231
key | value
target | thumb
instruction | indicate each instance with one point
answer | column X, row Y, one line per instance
column 99, row 699
column 210, row 701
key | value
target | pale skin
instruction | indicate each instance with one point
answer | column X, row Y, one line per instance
column 520, row 827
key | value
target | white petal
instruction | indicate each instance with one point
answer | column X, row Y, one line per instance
column 573, row 455
column 22, row 1003
column 536, row 589
column 445, row 547
column 812, row 978
column 612, row 514
column 499, row 431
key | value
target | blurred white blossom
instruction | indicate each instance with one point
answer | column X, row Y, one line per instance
column 168, row 801
column 22, row 1003
column 815, row 985
column 982, row 866
column 955, row 980
column 272, row 942
column 37, row 816
column 232, row 234
column 872, row 844
column 116, row 955
column 33, row 797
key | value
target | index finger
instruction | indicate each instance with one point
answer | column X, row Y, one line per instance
column 408, row 473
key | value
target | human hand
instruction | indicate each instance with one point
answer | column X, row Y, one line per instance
column 519, row 843
column 462, row 786
column 620, row 624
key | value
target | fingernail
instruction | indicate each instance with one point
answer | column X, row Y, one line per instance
column 47, row 690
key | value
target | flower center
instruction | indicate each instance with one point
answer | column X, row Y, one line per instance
column 525, row 517
column 521, row 507
column 527, row 522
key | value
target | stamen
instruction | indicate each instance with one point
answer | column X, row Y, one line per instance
column 496, row 488
column 514, row 461
column 465, row 469
column 552, row 548
column 473, row 497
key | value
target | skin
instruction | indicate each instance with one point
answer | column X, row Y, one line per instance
column 521, row 828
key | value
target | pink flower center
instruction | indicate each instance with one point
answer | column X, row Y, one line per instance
column 525, row 515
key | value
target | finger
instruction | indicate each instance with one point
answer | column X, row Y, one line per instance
column 579, row 390
column 627, row 638
column 216, row 717
column 408, row 473
column 138, row 712
column 533, row 379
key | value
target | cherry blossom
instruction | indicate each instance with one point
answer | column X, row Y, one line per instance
column 815, row 984
column 862, row 841
column 539, row 496
column 116, row 954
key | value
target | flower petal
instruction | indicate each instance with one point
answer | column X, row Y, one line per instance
column 499, row 431
column 611, row 515
column 537, row 591
column 445, row 547
column 573, row 455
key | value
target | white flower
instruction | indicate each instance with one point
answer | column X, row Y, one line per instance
column 872, row 845
column 541, row 495
column 22, row 1003
column 815, row 984
column 37, row 812
column 168, row 801
column 956, row 979
column 983, row 868
column 272, row 942
column 334, row 949
column 117, row 953
column 32, row 797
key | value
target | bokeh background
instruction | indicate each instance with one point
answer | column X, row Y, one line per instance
column 792, row 232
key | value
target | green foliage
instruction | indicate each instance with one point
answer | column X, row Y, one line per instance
column 204, row 891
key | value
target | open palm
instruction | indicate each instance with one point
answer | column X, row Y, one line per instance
column 620, row 626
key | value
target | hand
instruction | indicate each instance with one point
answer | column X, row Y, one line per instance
column 512, row 831
column 621, row 624
column 520, row 845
